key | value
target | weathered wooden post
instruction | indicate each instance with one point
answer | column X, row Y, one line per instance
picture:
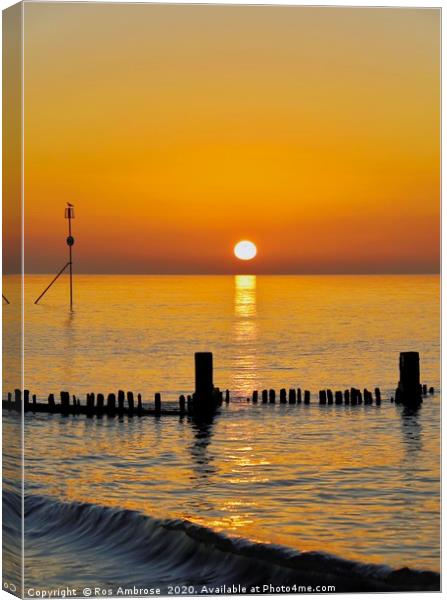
column 322, row 396
column 306, row 397
column 409, row 378
column 157, row 403
column 51, row 403
column 65, row 403
column 90, row 404
column 204, row 399
column 204, row 374
column 292, row 396
column 377, row 395
column 34, row 402
column 272, row 396
column 346, row 396
column 182, row 404
column 330, row 397
column 227, row 396
column 100, row 404
column 111, row 404
column 130, row 402
column 264, row 396
column 25, row 399
column 298, row 395
column 9, row 400
column 431, row 391
column 121, row 397
column 338, row 397
column 255, row 396
column 283, row 396
column 353, row 396
column 139, row 405
column 18, row 400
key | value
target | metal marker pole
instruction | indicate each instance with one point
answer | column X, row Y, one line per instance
column 69, row 214
column 70, row 242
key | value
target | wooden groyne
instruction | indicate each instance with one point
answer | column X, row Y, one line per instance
column 207, row 398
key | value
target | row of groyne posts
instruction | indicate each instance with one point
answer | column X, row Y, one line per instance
column 207, row 398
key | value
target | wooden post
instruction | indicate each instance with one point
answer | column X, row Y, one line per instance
column 100, row 404
column 409, row 378
column 424, row 389
column 65, row 403
column 18, row 400
column 90, row 404
column 377, row 395
column 25, row 399
column 34, row 402
column 322, row 396
column 139, row 405
column 9, row 400
column 111, row 404
column 121, row 397
column 204, row 374
column 330, row 397
column 217, row 397
column 346, row 396
column 306, row 397
column 431, row 390
column 264, row 396
column 338, row 397
column 272, row 396
column 292, row 396
column 182, row 404
column 298, row 395
column 130, row 402
column 205, row 400
column 283, row 396
column 353, row 396
column 157, row 403
column 255, row 396
column 227, row 396
column 51, row 403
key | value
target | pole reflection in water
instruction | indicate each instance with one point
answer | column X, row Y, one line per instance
column 202, row 461
column 411, row 429
column 245, row 335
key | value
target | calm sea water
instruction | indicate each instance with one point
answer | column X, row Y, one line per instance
column 358, row 482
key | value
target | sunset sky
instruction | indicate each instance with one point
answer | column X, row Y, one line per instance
column 178, row 130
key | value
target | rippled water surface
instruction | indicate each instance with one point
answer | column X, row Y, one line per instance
column 360, row 482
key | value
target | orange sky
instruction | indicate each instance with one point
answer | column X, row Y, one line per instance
column 178, row 130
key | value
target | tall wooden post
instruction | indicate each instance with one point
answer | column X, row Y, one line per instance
column 204, row 373
column 409, row 378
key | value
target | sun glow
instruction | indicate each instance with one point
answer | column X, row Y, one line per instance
column 245, row 250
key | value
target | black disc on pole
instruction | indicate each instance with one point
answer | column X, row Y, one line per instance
column 70, row 240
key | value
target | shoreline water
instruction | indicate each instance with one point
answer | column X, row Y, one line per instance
column 136, row 550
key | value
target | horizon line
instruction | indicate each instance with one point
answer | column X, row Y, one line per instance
column 209, row 274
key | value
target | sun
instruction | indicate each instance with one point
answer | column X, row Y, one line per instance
column 245, row 250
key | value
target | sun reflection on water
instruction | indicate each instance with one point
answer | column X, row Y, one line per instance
column 245, row 334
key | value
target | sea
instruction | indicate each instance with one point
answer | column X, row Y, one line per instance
column 260, row 493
